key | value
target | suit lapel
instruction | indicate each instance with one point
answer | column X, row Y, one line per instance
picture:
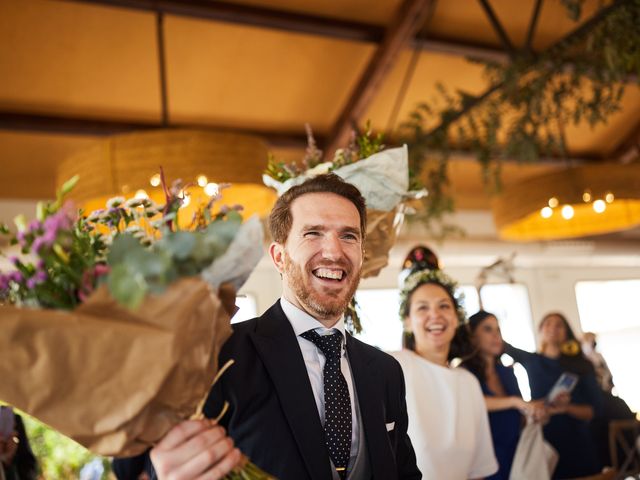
column 372, row 410
column 277, row 346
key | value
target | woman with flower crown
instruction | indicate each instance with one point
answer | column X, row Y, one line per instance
column 568, row 428
column 448, row 422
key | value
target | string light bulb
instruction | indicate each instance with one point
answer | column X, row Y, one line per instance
column 546, row 212
column 211, row 189
column 141, row 194
column 553, row 202
column 599, row 206
column 202, row 180
column 567, row 212
column 155, row 180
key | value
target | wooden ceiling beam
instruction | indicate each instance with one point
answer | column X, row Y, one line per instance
column 96, row 127
column 88, row 126
column 299, row 23
column 408, row 20
column 498, row 28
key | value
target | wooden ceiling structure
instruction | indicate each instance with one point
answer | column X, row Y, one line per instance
column 75, row 71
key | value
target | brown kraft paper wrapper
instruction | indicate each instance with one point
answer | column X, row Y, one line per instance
column 114, row 380
column 382, row 230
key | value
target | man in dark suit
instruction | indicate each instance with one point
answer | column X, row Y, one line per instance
column 306, row 400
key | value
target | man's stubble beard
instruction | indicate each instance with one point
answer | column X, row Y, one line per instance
column 331, row 307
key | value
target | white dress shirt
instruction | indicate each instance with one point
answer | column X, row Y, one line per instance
column 314, row 361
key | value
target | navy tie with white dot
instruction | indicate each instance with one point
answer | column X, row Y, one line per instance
column 337, row 403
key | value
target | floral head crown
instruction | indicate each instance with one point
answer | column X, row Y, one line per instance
column 421, row 277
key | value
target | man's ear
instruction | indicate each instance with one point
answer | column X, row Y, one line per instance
column 276, row 252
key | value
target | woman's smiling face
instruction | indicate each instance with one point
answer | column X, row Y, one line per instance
column 432, row 317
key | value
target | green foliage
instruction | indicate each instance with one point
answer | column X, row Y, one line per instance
column 135, row 246
column 137, row 269
column 63, row 255
column 58, row 456
column 531, row 100
column 359, row 147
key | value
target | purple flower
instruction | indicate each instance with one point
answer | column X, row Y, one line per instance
column 40, row 265
column 49, row 237
column 21, row 236
column 37, row 244
column 34, row 225
column 4, row 282
column 58, row 221
column 40, row 276
column 16, row 276
column 14, row 260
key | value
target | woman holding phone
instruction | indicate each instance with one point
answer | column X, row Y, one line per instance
column 571, row 411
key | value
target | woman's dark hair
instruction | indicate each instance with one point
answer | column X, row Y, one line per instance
column 461, row 346
column 24, row 461
column 408, row 339
column 572, row 360
column 475, row 362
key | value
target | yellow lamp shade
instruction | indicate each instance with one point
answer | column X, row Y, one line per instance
column 523, row 212
column 122, row 165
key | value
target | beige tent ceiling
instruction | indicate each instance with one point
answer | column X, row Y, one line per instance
column 72, row 71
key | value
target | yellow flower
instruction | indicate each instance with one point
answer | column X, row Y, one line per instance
column 570, row 348
column 61, row 253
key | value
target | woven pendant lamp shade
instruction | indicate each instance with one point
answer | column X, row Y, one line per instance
column 518, row 211
column 124, row 164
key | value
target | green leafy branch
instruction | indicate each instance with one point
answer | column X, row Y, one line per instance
column 524, row 113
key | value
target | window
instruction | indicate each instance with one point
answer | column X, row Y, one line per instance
column 509, row 302
column 381, row 323
column 382, row 326
column 248, row 308
column 611, row 310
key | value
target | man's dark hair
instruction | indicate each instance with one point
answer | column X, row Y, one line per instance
column 280, row 219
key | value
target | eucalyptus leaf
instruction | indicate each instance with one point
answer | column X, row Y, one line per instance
column 179, row 244
column 122, row 245
column 127, row 286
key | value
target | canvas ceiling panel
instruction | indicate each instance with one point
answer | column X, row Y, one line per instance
column 466, row 20
column 28, row 162
column 255, row 78
column 468, row 188
column 431, row 69
column 69, row 58
column 378, row 12
column 604, row 138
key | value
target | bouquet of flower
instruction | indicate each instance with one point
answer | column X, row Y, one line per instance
column 112, row 322
column 381, row 175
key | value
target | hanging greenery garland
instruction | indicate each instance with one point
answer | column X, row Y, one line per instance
column 529, row 103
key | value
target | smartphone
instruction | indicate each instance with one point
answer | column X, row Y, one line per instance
column 7, row 422
column 565, row 384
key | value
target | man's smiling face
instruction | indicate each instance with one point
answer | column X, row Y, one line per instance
column 321, row 259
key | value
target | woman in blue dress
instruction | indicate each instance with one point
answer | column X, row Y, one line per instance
column 568, row 428
column 500, row 389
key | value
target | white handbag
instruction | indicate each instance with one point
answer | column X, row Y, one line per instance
column 534, row 459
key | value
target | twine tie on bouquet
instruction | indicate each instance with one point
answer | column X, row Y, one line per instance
column 337, row 403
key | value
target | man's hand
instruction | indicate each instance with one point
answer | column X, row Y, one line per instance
column 195, row 449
